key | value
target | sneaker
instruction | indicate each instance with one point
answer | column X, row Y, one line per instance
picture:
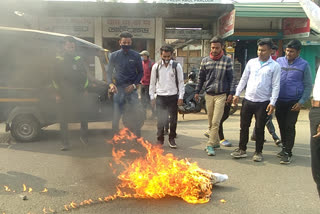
column 239, row 153
column 172, row 143
column 281, row 154
column 225, row 143
column 257, row 157
column 285, row 159
column 277, row 142
column 210, row 151
column 84, row 140
column 206, row 134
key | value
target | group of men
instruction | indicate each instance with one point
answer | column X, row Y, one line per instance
column 283, row 84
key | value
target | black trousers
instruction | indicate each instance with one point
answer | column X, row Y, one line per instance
column 314, row 117
column 248, row 109
column 68, row 111
column 224, row 117
column 167, row 107
column 287, row 120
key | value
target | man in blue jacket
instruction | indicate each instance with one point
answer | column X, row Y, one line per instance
column 123, row 75
column 295, row 89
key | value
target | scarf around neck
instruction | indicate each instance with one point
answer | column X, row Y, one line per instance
column 216, row 57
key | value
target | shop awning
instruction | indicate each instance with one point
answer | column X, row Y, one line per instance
column 281, row 10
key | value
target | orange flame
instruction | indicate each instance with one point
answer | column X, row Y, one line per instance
column 24, row 187
column 30, row 189
column 157, row 175
column 7, row 189
column 45, row 190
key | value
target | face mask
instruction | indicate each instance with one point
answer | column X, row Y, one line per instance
column 125, row 47
column 166, row 61
column 142, row 58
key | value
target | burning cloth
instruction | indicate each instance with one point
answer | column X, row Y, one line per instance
column 153, row 174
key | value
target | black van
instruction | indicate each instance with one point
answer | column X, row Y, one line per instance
column 27, row 103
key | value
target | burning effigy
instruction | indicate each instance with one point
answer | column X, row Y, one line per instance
column 146, row 172
column 156, row 175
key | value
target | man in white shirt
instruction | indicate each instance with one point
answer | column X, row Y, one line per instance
column 314, row 117
column 167, row 82
column 262, row 79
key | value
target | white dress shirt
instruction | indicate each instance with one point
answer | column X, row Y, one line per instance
column 316, row 88
column 262, row 81
column 166, row 85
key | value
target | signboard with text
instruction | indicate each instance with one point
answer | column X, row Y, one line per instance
column 226, row 24
column 295, row 27
column 140, row 28
column 75, row 26
column 187, row 34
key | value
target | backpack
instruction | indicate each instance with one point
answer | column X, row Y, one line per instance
column 174, row 67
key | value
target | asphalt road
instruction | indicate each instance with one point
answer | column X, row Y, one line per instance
column 84, row 173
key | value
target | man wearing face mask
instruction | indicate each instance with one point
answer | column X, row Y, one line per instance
column 124, row 73
column 167, row 82
column 216, row 73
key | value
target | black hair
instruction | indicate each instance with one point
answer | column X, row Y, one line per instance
column 217, row 39
column 295, row 44
column 125, row 34
column 166, row 48
column 265, row 41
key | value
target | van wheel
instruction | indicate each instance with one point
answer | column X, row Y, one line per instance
column 25, row 128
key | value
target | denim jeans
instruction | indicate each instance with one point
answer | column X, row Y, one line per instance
column 121, row 99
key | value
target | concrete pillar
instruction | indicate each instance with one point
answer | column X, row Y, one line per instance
column 98, row 41
column 205, row 48
column 159, row 37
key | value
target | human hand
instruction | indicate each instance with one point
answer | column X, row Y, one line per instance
column 113, row 88
column 318, row 132
column 235, row 100
column 196, row 97
column 129, row 88
column 180, row 102
column 229, row 99
column 296, row 107
column 270, row 109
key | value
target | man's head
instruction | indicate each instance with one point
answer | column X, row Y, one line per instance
column 145, row 55
column 69, row 45
column 125, row 41
column 293, row 49
column 264, row 49
column 216, row 44
column 166, row 53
